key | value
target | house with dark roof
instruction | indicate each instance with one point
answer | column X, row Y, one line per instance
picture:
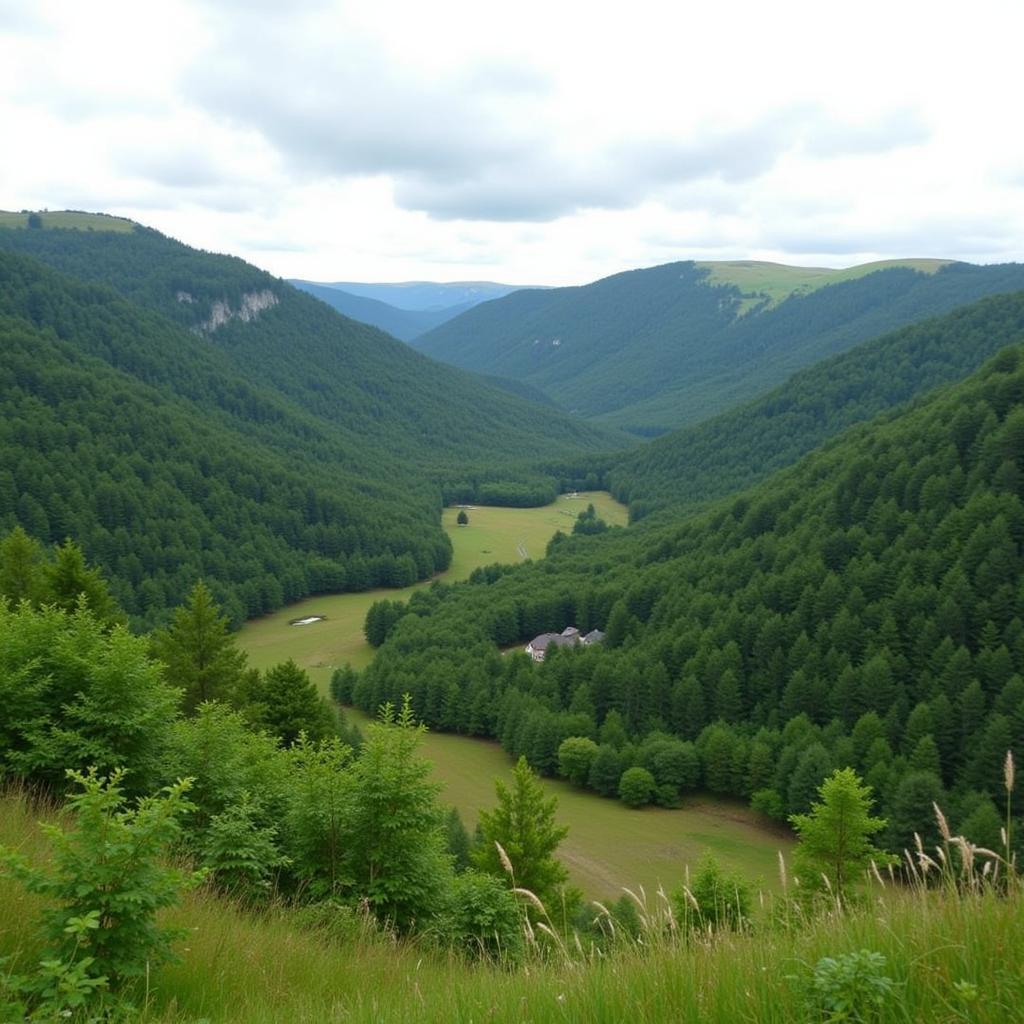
column 569, row 637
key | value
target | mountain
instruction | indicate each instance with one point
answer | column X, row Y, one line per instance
column 740, row 447
column 399, row 323
column 182, row 414
column 427, row 295
column 648, row 350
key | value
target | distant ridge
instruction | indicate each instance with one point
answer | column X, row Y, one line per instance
column 659, row 348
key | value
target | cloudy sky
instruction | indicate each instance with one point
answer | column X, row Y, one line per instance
column 544, row 142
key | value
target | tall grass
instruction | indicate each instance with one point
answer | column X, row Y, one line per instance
column 952, row 939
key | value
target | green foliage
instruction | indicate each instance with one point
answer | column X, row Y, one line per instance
column 462, row 518
column 275, row 457
column 714, row 900
column 575, row 758
column 483, row 918
column 600, row 349
column 457, row 841
column 813, row 615
column 395, row 831
column 108, row 880
column 200, row 655
column 850, row 987
column 318, row 817
column 636, row 787
column 242, row 854
column 76, row 694
column 285, row 702
column 588, row 522
column 750, row 442
column 523, row 825
column 835, row 837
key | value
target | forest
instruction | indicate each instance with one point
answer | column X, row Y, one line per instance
column 860, row 609
column 817, row 609
column 277, row 457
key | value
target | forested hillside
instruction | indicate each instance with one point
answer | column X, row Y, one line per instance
column 742, row 446
column 664, row 347
column 267, row 444
column 862, row 608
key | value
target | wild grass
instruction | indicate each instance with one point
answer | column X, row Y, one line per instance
column 950, row 949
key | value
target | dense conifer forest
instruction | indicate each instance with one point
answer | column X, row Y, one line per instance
column 287, row 453
column 862, row 608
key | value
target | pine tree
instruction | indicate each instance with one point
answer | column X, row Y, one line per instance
column 523, row 824
column 835, row 837
column 201, row 656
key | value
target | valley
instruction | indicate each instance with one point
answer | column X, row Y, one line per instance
column 493, row 534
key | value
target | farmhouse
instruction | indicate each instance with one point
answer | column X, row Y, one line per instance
column 569, row 637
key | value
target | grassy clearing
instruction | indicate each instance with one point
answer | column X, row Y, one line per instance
column 952, row 958
column 68, row 219
column 609, row 845
column 493, row 535
column 777, row 281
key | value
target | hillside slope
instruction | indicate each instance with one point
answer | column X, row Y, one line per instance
column 732, row 451
column 862, row 607
column 352, row 375
column 665, row 347
column 207, row 419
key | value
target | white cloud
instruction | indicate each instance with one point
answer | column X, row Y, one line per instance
column 395, row 140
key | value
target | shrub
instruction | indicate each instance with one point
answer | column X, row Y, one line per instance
column 636, row 787
column 850, row 987
column 107, row 881
column 483, row 917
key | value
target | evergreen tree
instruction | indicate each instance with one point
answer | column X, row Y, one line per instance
column 523, row 824
column 285, row 702
column 835, row 837
column 200, row 655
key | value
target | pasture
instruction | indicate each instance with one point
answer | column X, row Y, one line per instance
column 507, row 535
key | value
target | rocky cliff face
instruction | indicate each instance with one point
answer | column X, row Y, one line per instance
column 221, row 311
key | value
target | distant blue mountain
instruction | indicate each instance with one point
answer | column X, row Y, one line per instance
column 429, row 295
column 405, row 324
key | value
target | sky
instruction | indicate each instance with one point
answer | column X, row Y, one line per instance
column 548, row 142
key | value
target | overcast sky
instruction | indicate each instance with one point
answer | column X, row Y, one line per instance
column 547, row 142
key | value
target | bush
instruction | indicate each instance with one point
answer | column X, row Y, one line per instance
column 483, row 917
column 715, row 900
column 636, row 787
column 850, row 987
column 107, row 881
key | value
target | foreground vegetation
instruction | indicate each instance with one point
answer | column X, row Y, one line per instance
column 900, row 953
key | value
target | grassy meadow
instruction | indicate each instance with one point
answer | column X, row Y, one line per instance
column 506, row 535
column 68, row 219
column 609, row 845
column 778, row 281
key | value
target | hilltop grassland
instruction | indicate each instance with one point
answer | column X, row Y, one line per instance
column 68, row 220
column 758, row 280
column 506, row 535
